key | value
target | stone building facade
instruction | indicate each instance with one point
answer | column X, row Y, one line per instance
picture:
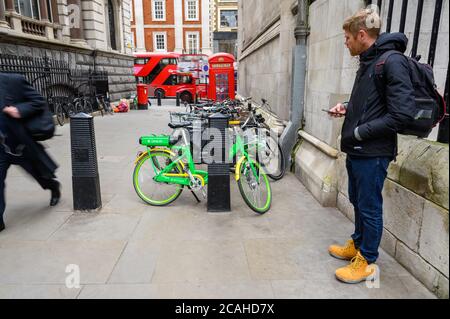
column 85, row 34
column 180, row 26
column 416, row 199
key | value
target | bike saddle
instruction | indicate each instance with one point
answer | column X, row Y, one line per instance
column 180, row 125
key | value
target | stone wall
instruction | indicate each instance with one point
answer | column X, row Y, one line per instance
column 416, row 231
column 118, row 66
column 265, row 44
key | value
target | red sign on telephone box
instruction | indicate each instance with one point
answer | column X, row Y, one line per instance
column 221, row 77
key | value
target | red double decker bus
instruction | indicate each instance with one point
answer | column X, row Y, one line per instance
column 160, row 72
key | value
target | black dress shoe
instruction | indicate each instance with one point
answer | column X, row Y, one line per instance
column 56, row 195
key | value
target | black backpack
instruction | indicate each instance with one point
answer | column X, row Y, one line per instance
column 430, row 107
column 41, row 126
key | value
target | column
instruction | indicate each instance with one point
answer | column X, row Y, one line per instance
column 9, row 5
column 76, row 21
column 3, row 23
column 56, row 20
column 45, row 18
column 55, row 13
column 178, row 14
column 16, row 22
column 139, row 20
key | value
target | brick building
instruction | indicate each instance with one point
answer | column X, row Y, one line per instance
column 181, row 26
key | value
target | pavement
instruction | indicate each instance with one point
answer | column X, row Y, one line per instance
column 131, row 250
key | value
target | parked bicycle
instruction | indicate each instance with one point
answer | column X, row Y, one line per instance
column 63, row 110
column 271, row 155
column 103, row 104
column 82, row 105
column 165, row 168
column 252, row 123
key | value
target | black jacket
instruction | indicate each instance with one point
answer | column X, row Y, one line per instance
column 373, row 120
column 16, row 91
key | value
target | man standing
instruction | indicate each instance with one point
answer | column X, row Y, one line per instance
column 369, row 135
column 20, row 102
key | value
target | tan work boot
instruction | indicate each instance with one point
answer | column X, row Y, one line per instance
column 358, row 270
column 346, row 252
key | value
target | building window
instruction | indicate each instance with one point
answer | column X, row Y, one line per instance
column 28, row 8
column 193, row 45
column 49, row 10
column 159, row 10
column 160, row 41
column 112, row 26
column 191, row 8
column 228, row 19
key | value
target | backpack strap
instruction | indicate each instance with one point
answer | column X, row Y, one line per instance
column 380, row 80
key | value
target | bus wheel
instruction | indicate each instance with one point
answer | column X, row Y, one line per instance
column 160, row 92
column 186, row 97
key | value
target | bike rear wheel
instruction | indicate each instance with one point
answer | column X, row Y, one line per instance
column 270, row 156
column 150, row 191
column 88, row 109
column 276, row 165
column 59, row 112
column 255, row 189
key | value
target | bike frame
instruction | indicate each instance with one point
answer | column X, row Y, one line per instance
column 186, row 178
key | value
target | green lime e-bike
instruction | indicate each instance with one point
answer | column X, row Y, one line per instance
column 162, row 172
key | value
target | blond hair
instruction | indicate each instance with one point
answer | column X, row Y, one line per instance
column 366, row 19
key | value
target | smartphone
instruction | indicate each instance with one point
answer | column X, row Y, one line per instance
column 333, row 113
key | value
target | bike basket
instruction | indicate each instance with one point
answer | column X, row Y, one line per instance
column 157, row 140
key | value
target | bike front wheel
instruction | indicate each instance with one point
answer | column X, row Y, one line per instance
column 254, row 187
column 150, row 191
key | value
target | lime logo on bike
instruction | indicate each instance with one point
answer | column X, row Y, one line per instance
column 159, row 140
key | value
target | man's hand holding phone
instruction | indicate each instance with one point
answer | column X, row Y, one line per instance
column 338, row 111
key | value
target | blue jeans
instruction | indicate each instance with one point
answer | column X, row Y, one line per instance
column 366, row 178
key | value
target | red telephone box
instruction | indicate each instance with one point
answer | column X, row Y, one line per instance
column 221, row 77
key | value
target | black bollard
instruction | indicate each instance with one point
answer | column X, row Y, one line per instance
column 219, row 171
column 178, row 99
column 159, row 98
column 85, row 177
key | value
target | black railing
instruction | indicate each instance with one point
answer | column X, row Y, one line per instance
column 417, row 28
column 54, row 79
column 403, row 16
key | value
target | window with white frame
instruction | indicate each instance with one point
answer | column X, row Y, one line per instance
column 193, row 43
column 191, row 8
column 159, row 10
column 160, row 41
column 228, row 19
column 28, row 8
